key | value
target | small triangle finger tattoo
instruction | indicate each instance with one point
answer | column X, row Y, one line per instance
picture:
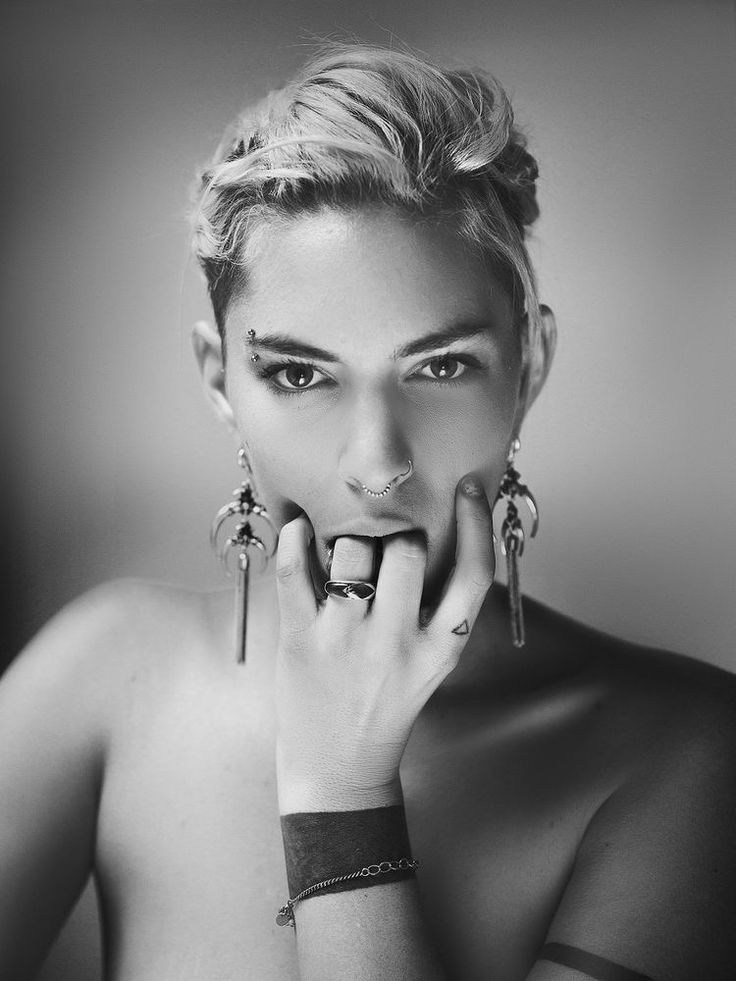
column 461, row 628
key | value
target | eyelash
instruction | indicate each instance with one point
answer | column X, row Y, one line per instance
column 270, row 371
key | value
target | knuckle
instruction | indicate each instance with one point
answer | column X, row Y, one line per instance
column 288, row 558
column 294, row 634
column 480, row 576
column 410, row 547
column 287, row 569
column 410, row 551
column 445, row 657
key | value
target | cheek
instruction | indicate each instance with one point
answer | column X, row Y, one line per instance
column 474, row 429
column 293, row 453
column 285, row 472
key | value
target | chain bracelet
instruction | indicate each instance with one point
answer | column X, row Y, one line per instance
column 286, row 913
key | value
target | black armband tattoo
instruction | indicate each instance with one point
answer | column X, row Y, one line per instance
column 591, row 964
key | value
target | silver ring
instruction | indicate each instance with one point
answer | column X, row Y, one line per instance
column 389, row 485
column 357, row 589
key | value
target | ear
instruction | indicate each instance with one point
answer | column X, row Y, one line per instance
column 208, row 352
column 538, row 361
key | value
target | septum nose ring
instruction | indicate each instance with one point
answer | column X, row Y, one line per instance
column 390, row 484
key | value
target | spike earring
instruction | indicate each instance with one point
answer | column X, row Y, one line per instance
column 243, row 504
column 512, row 538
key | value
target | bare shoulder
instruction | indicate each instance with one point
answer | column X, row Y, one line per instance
column 659, row 726
column 106, row 632
column 63, row 701
column 670, row 720
column 648, row 699
column 114, row 612
column 654, row 881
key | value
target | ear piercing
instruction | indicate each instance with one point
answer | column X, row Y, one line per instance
column 512, row 537
column 243, row 505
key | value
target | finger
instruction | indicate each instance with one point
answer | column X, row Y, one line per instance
column 401, row 579
column 472, row 577
column 297, row 602
column 353, row 560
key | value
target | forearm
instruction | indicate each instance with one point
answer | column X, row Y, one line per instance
column 351, row 681
column 369, row 934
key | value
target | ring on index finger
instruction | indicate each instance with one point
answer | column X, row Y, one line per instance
column 356, row 589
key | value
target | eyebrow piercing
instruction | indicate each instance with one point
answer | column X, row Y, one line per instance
column 251, row 338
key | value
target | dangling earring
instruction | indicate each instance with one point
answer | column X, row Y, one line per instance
column 243, row 503
column 512, row 538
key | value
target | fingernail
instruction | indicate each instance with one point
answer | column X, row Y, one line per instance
column 471, row 486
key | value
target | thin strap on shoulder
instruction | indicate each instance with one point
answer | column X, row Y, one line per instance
column 591, row 964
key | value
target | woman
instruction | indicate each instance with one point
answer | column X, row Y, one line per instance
column 568, row 797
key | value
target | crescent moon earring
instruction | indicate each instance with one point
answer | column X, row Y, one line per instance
column 243, row 505
column 512, row 537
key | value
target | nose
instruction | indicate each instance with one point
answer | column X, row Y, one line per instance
column 376, row 451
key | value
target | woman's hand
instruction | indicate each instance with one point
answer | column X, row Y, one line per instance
column 352, row 677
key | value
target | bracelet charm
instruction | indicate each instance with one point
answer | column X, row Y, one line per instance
column 286, row 914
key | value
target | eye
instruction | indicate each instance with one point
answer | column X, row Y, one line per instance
column 297, row 376
column 445, row 368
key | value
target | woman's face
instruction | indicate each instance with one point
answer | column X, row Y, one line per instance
column 373, row 291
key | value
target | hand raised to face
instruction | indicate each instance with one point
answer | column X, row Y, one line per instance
column 352, row 676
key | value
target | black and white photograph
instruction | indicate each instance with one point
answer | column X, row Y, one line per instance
column 369, row 481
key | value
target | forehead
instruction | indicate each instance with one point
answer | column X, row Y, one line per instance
column 372, row 273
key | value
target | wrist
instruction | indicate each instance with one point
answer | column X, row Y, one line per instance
column 334, row 851
column 325, row 785
column 300, row 793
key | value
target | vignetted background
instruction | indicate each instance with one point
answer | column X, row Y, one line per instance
column 113, row 464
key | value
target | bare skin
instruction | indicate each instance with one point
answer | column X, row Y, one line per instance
column 579, row 790
column 504, row 779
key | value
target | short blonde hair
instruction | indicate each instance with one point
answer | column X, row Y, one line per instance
column 365, row 125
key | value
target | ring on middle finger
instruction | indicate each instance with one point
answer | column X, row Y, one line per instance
column 356, row 589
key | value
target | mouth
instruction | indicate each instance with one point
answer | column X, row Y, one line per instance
column 378, row 542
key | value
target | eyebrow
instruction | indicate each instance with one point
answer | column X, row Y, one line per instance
column 284, row 344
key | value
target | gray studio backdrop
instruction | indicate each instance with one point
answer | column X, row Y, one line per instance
column 117, row 464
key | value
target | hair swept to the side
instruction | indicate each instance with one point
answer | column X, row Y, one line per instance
column 364, row 124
